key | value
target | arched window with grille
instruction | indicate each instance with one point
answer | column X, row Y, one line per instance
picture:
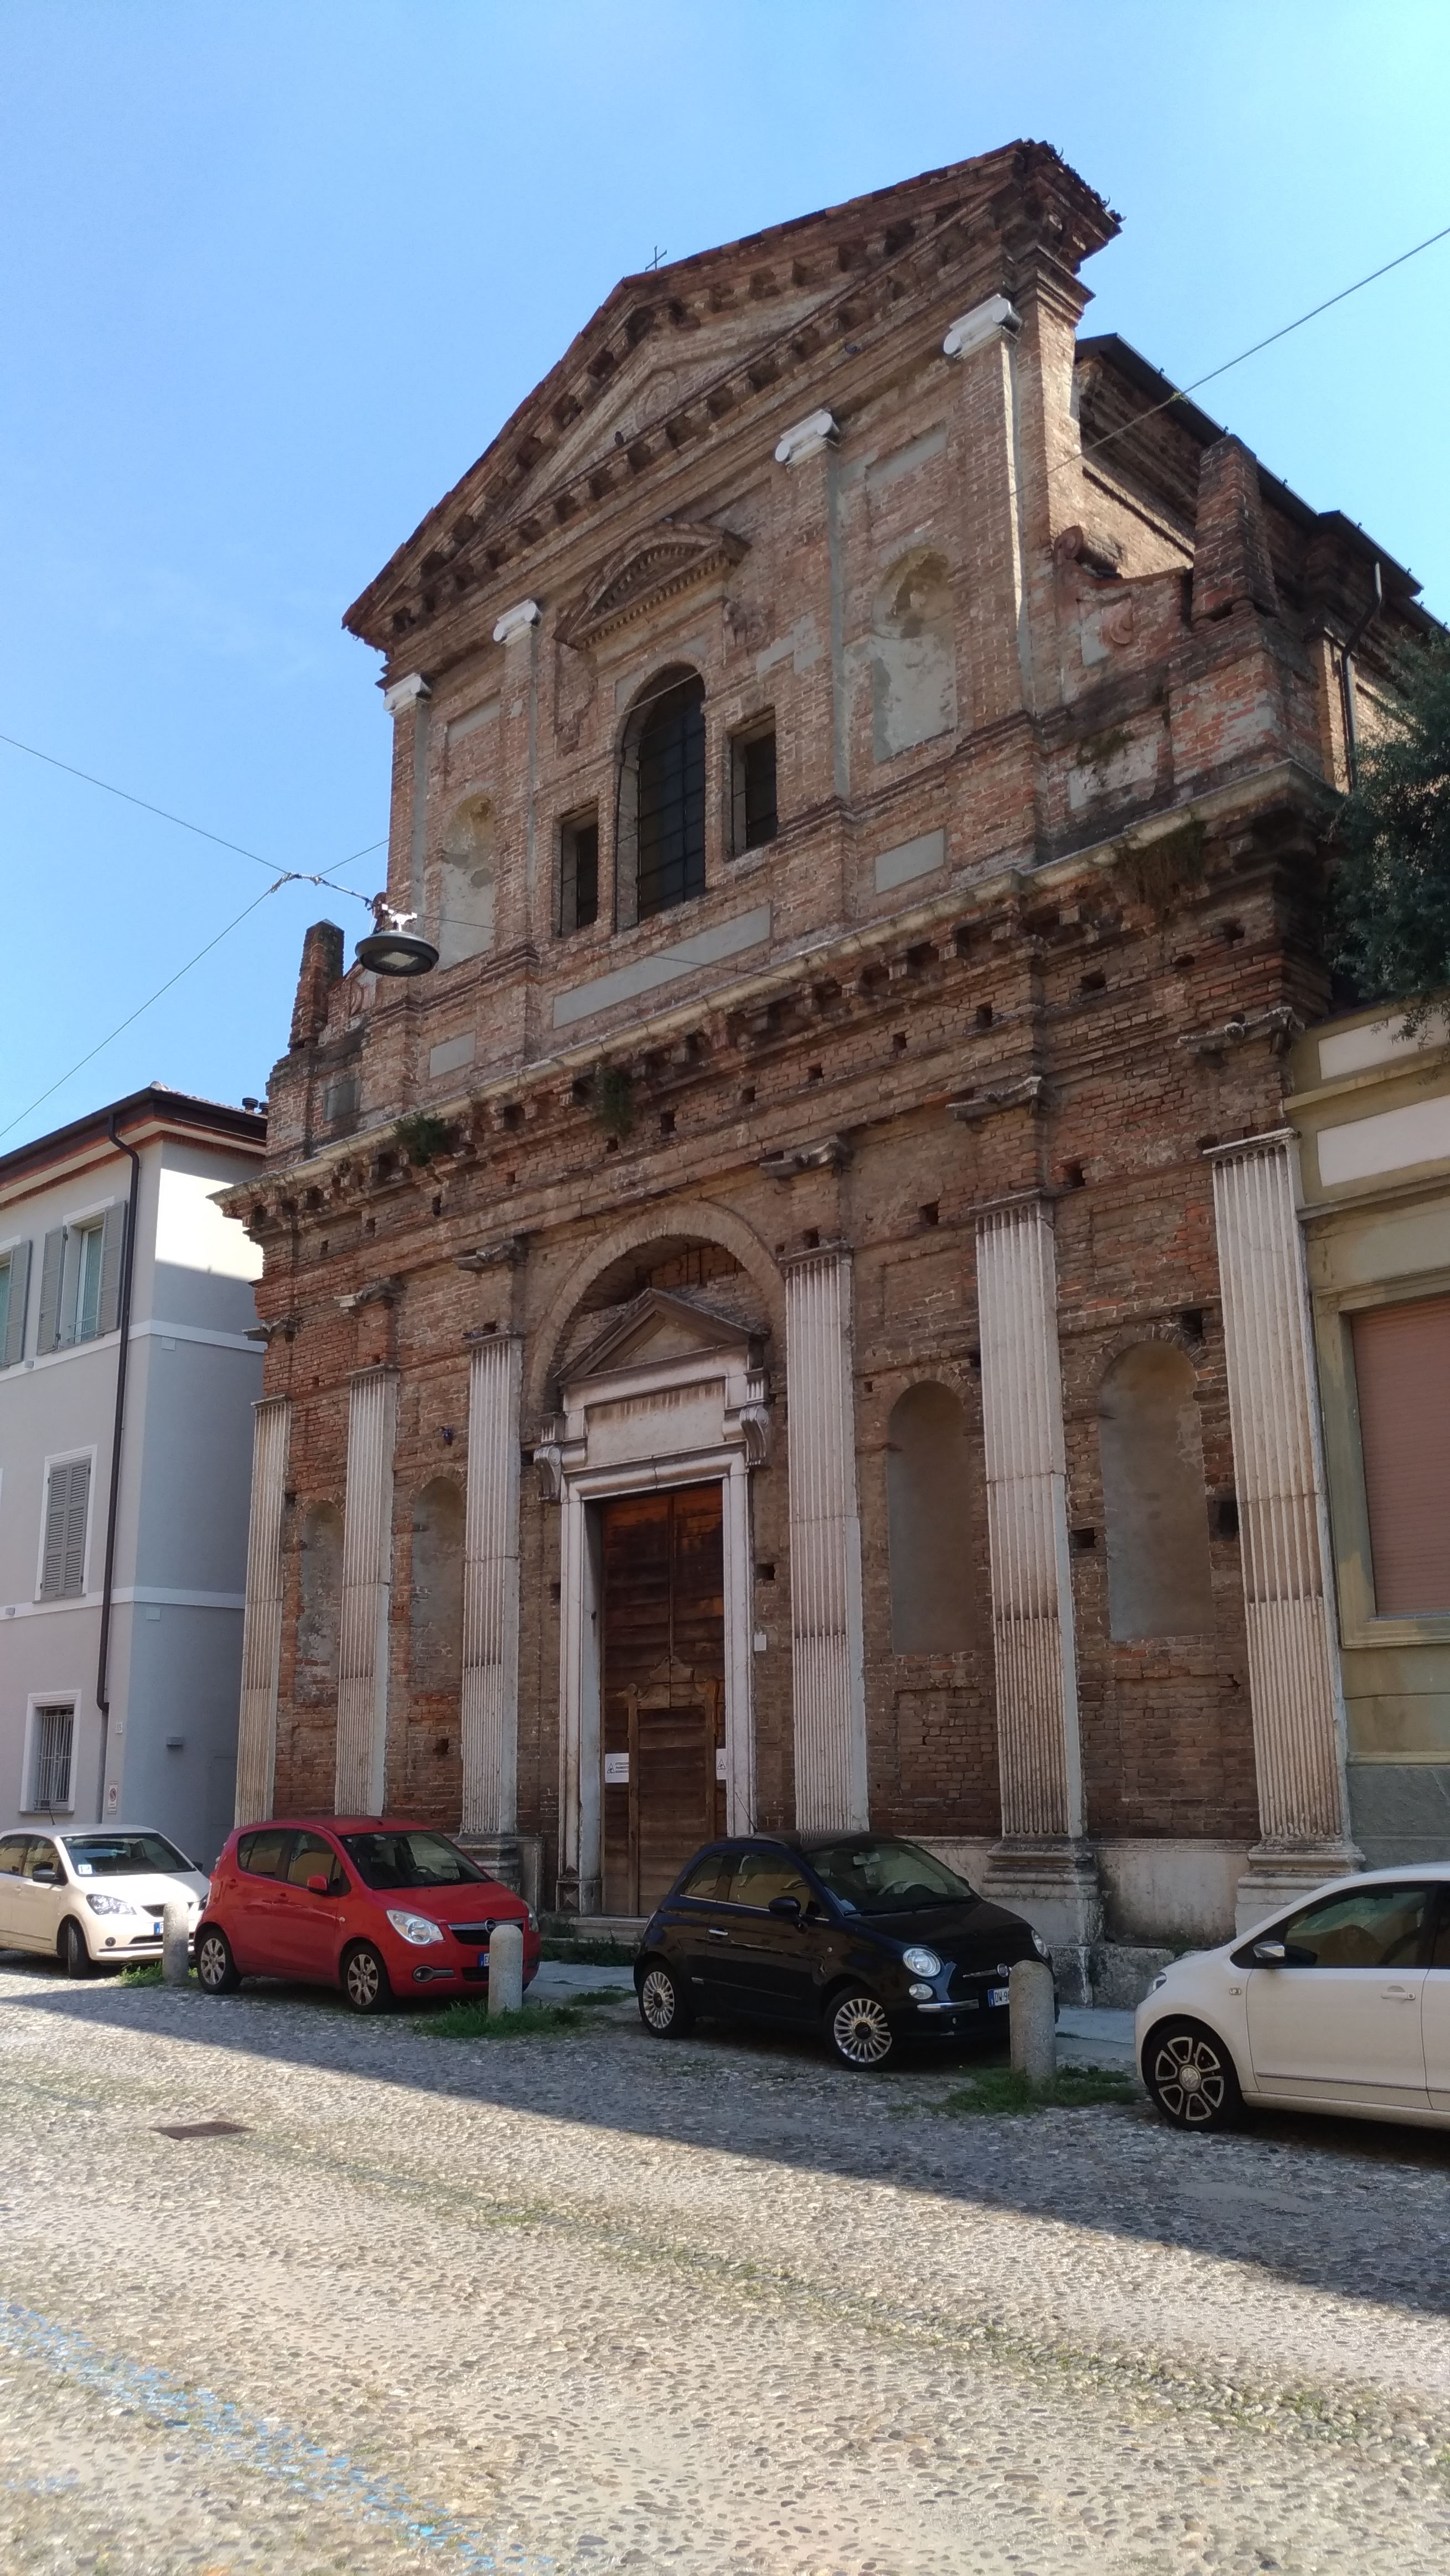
column 661, row 833
column 1159, row 1573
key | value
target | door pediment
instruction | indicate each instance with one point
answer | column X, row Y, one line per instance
column 659, row 1326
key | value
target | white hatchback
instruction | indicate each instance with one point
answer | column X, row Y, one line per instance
column 93, row 1897
column 1342, row 2005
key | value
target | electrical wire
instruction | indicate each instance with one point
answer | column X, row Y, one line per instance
column 293, row 876
column 141, row 1007
column 1181, row 392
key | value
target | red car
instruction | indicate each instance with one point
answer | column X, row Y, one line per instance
column 380, row 1909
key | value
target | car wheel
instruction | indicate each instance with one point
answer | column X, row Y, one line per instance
column 216, row 1970
column 858, row 2030
column 365, row 1987
column 75, row 1958
column 664, row 2006
column 1191, row 2077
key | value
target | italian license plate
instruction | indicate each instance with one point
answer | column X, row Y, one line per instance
column 997, row 1994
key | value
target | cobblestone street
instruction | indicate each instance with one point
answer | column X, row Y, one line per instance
column 585, row 2302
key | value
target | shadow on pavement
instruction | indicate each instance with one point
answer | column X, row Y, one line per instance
column 1357, row 2208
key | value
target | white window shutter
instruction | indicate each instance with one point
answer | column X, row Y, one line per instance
column 57, row 1505
column 113, row 1237
column 52, row 1268
column 75, row 1529
column 15, row 1306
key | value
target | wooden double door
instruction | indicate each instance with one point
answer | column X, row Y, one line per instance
column 663, row 1688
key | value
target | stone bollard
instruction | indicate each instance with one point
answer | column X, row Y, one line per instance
column 506, row 1968
column 175, row 1941
column 1032, row 2013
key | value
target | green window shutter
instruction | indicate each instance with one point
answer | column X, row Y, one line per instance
column 113, row 1237
column 13, row 1347
column 52, row 1268
column 67, row 1500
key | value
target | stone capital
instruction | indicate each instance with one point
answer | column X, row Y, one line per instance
column 516, row 621
column 406, row 693
column 985, row 322
column 819, row 429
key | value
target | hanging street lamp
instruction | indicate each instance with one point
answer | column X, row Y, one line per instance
column 390, row 948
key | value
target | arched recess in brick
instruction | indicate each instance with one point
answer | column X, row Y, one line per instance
column 435, row 1610
column 1154, row 1503
column 681, row 1224
column 928, row 1498
column 465, row 886
column 913, row 656
column 320, row 1606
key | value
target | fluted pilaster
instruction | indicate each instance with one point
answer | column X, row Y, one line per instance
column 491, row 1591
column 1032, row 1619
column 828, row 1685
column 367, row 1565
column 262, row 1620
column 1294, row 1677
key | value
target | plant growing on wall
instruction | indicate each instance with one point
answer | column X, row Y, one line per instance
column 614, row 1100
column 1391, row 892
column 423, row 1138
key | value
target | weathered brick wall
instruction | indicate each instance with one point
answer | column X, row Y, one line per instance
column 1113, row 667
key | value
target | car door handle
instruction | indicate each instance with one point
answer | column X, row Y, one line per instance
column 1397, row 1994
column 713, row 1935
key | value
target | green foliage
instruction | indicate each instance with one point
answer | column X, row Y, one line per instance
column 423, row 1137
column 614, row 1100
column 474, row 2021
column 1000, row 2089
column 1391, row 891
column 150, row 1974
column 587, row 1954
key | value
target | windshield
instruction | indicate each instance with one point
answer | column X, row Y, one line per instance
column 408, row 1860
column 870, row 1877
column 123, row 1855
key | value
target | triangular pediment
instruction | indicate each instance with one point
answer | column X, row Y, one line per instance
column 650, row 570
column 657, row 1327
column 671, row 352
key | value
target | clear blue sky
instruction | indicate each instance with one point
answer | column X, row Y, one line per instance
column 273, row 275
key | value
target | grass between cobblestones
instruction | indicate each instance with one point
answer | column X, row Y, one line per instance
column 1001, row 2090
column 535, row 2021
column 150, row 1975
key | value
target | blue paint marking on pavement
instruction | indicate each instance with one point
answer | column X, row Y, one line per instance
column 261, row 2445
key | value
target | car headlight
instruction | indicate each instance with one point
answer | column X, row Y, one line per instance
column 416, row 1928
column 1040, row 1946
column 922, row 1963
column 111, row 1904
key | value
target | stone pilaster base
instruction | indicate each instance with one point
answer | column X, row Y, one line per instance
column 517, row 1860
column 1056, row 1885
column 1283, row 1875
column 576, row 1895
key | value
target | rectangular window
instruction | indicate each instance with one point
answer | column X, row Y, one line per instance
column 14, row 1292
column 578, row 872
column 1402, row 1370
column 63, row 1557
column 752, row 789
column 86, row 1284
column 80, row 1280
column 54, row 1738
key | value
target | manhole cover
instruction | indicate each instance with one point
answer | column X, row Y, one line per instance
column 202, row 2129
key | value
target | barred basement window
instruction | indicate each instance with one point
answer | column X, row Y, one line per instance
column 54, row 1736
column 752, row 789
column 578, row 872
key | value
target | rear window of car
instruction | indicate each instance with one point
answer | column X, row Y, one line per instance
column 408, row 1860
column 264, row 1855
column 123, row 1855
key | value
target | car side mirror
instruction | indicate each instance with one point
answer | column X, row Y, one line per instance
column 1269, row 1954
column 45, row 1875
column 787, row 1909
column 317, row 1883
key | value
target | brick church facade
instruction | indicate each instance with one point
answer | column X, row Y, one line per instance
column 799, row 1318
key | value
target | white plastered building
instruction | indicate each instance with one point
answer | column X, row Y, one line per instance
column 125, row 1307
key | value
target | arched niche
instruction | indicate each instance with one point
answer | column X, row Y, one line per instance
column 913, row 657
column 319, row 1610
column 1156, row 1513
column 435, row 1610
column 626, row 1260
column 660, row 834
column 928, row 1498
column 465, row 906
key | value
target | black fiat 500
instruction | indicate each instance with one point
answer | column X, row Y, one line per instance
column 862, row 1937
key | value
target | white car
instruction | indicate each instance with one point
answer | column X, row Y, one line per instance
column 1341, row 2005
column 93, row 1897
